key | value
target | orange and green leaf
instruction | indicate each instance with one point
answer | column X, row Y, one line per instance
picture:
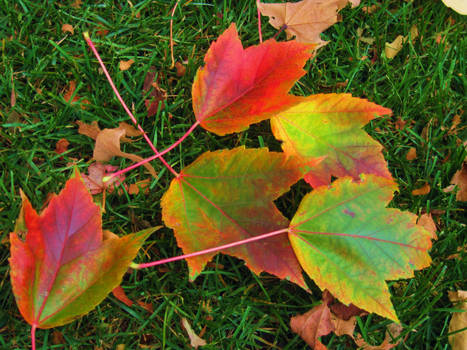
column 348, row 242
column 226, row 196
column 64, row 268
column 238, row 87
column 329, row 126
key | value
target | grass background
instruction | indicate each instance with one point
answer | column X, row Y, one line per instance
column 424, row 85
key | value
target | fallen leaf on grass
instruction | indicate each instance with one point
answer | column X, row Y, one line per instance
column 156, row 96
column 71, row 97
column 108, row 146
column 65, row 267
column 460, row 6
column 130, row 130
column 426, row 220
column 425, row 189
column 125, row 65
column 140, row 185
column 120, row 294
column 97, row 171
column 61, row 146
column 90, row 130
column 460, row 180
column 370, row 9
column 411, row 154
column 181, row 69
column 458, row 341
column 68, row 28
column 305, row 19
column 392, row 49
column 393, row 331
column 195, row 341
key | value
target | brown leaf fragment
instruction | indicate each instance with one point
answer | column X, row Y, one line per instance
column 108, row 146
column 130, row 130
column 146, row 306
column 156, row 94
column 305, row 19
column 393, row 48
column 58, row 338
column 61, row 146
column 370, row 9
column 458, row 341
column 181, row 69
column 460, row 180
column 314, row 324
column 140, row 185
column 125, row 65
column 91, row 130
column 94, row 181
column 76, row 4
column 393, row 331
column 458, row 321
column 68, row 28
column 411, row 154
column 195, row 341
column 343, row 327
column 345, row 312
column 70, row 96
column 425, row 189
column 120, row 294
column 426, row 220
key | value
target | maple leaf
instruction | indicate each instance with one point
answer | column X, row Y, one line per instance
column 329, row 126
column 306, row 19
column 64, row 268
column 349, row 243
column 238, row 87
column 228, row 195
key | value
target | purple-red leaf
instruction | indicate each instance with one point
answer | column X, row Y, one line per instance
column 64, row 268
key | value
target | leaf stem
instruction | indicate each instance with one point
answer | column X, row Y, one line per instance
column 171, row 34
column 120, row 99
column 212, row 250
column 259, row 25
column 158, row 155
column 281, row 29
column 33, row 336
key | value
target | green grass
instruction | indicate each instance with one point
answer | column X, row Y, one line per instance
column 424, row 85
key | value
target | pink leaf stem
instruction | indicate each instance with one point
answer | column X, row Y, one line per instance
column 158, row 155
column 212, row 250
column 259, row 26
column 33, row 336
column 120, row 99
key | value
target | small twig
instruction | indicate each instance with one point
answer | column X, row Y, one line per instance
column 281, row 29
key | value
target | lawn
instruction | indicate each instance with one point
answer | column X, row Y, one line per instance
column 424, row 85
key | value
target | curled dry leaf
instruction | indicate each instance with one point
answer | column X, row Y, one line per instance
column 195, row 340
column 411, row 154
column 61, row 146
column 392, row 49
column 425, row 189
column 108, row 146
column 305, row 19
column 125, row 65
column 90, row 130
column 460, row 180
column 68, row 28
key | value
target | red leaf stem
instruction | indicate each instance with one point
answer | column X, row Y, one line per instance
column 158, row 155
column 120, row 99
column 214, row 249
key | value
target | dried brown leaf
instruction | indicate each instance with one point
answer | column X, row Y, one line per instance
column 460, row 180
column 411, row 154
column 61, row 146
column 120, row 294
column 458, row 341
column 181, row 69
column 68, row 28
column 305, row 19
column 125, row 65
column 108, row 146
column 195, row 341
column 425, row 189
column 91, row 130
